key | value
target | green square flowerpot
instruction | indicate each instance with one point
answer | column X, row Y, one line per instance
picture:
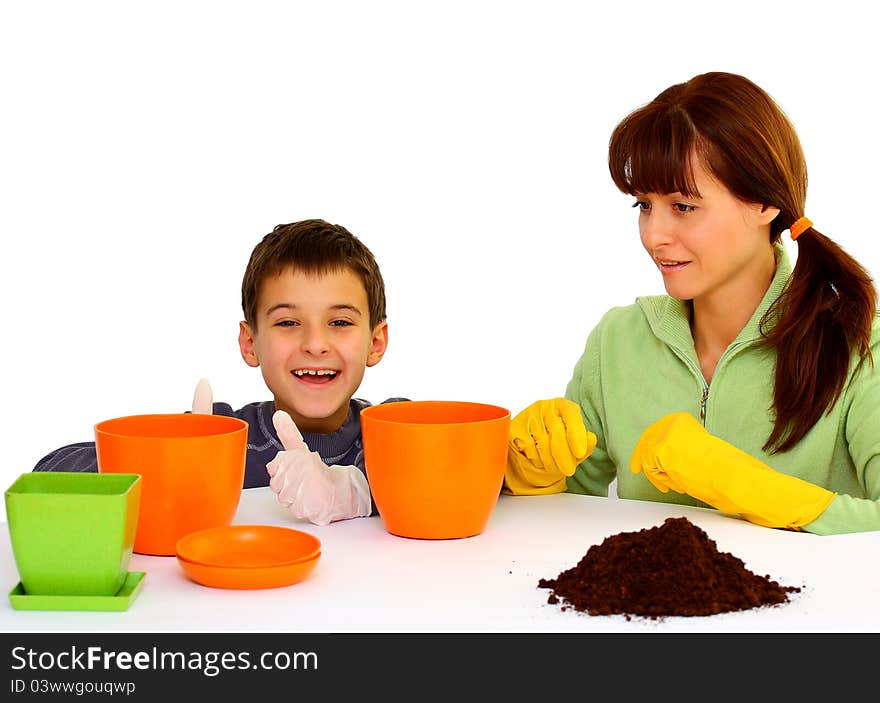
column 73, row 533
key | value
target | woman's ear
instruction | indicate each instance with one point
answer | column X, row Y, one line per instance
column 378, row 344
column 768, row 214
column 246, row 344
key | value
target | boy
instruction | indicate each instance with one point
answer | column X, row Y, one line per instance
column 314, row 305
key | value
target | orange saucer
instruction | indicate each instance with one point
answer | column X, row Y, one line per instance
column 248, row 556
column 248, row 577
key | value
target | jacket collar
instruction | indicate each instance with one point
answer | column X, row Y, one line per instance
column 669, row 317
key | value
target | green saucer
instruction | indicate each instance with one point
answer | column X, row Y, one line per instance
column 119, row 601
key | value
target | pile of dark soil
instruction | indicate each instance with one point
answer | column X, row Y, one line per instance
column 671, row 569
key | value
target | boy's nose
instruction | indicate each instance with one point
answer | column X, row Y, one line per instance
column 315, row 342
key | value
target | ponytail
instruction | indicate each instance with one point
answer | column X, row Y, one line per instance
column 817, row 326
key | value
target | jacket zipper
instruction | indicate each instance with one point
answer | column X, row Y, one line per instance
column 699, row 374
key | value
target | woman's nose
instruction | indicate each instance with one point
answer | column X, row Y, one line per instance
column 655, row 230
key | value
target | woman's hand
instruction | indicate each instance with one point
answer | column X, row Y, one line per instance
column 678, row 453
column 547, row 441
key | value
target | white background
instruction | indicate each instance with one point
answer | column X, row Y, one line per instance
column 145, row 148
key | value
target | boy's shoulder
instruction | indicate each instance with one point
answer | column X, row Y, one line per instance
column 250, row 411
column 258, row 416
column 359, row 404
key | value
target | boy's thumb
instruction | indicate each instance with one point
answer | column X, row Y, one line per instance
column 203, row 398
column 287, row 431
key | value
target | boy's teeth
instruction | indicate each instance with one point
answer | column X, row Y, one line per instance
column 314, row 372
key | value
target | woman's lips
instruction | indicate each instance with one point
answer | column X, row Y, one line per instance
column 669, row 268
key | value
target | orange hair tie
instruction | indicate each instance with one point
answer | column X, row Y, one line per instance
column 801, row 225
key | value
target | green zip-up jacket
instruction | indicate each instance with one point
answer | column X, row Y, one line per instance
column 640, row 364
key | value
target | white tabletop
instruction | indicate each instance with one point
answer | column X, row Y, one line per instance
column 371, row 581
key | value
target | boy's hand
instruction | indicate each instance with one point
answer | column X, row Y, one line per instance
column 309, row 488
column 203, row 398
column 547, row 441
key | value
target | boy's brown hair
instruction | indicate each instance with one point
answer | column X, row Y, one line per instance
column 313, row 247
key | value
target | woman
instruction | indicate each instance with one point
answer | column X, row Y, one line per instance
column 749, row 387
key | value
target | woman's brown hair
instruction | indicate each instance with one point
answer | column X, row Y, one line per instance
column 823, row 317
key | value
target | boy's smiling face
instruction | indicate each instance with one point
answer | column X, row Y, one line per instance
column 312, row 342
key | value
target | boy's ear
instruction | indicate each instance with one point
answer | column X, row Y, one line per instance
column 246, row 344
column 378, row 344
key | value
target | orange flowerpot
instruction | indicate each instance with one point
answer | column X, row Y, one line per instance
column 191, row 466
column 435, row 467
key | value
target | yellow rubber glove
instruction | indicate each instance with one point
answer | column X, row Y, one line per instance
column 677, row 452
column 546, row 443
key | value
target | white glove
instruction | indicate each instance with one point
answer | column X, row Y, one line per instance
column 203, row 398
column 309, row 488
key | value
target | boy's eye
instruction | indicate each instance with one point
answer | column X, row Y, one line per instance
column 286, row 323
column 340, row 323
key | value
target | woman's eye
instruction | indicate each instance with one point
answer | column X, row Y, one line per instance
column 642, row 205
column 684, row 207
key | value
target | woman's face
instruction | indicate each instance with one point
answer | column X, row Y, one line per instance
column 709, row 246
